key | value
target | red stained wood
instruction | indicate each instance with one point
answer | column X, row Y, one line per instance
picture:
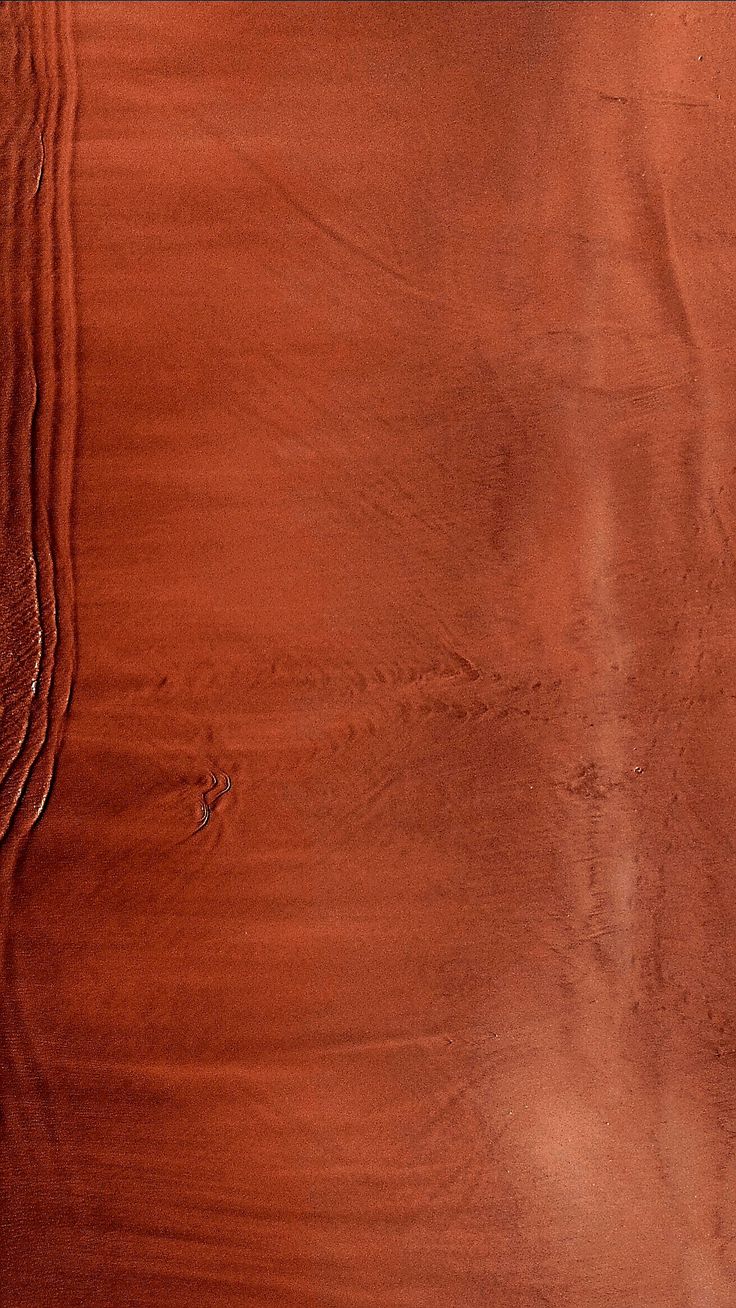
column 368, row 409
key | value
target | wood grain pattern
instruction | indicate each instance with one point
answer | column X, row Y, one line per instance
column 375, row 944
column 38, row 411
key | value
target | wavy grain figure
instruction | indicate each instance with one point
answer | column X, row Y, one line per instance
column 38, row 412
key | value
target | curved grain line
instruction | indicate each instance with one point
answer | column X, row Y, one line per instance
column 61, row 451
column 36, row 262
column 211, row 796
column 23, row 630
column 39, row 432
column 45, row 343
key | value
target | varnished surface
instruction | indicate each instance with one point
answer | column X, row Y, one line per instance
column 374, row 945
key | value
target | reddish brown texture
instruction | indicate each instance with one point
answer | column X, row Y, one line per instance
column 403, row 552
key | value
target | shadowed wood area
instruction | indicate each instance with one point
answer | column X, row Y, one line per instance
column 373, row 946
